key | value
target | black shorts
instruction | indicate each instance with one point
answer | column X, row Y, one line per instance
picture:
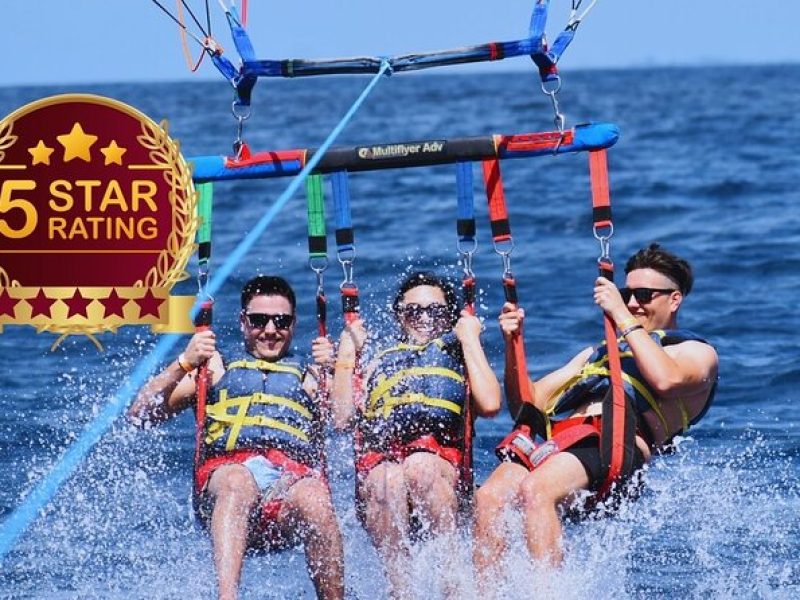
column 588, row 452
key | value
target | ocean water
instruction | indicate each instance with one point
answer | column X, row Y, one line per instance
column 707, row 164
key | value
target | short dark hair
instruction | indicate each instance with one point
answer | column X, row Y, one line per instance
column 267, row 285
column 657, row 258
column 432, row 279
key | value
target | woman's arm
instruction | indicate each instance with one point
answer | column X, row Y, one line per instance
column 343, row 400
column 482, row 381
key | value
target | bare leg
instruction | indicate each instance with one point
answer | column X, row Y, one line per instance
column 235, row 493
column 431, row 483
column 386, row 503
column 540, row 493
column 308, row 509
column 491, row 501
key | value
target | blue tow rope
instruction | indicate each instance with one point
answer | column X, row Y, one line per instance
column 19, row 520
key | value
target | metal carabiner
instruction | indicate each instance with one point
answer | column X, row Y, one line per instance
column 466, row 254
column 202, row 283
column 506, row 256
column 318, row 264
column 605, row 242
column 347, row 270
column 241, row 113
column 551, row 92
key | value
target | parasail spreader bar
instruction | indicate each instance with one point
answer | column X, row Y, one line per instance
column 373, row 157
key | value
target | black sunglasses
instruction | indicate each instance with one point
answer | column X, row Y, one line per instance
column 436, row 312
column 261, row 320
column 643, row 295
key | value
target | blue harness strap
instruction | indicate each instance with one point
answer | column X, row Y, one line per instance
column 341, row 208
column 466, row 203
column 345, row 244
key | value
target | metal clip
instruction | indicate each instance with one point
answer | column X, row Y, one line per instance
column 605, row 242
column 466, row 255
column 241, row 113
column 551, row 91
column 346, row 258
column 318, row 264
column 202, row 282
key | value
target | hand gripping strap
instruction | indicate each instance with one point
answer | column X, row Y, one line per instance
column 202, row 322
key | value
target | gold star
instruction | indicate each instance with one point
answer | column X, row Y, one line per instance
column 113, row 153
column 77, row 144
column 40, row 153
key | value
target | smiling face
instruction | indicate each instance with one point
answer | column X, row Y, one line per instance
column 272, row 340
column 423, row 313
column 661, row 311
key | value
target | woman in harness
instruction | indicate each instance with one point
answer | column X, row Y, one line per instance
column 409, row 416
column 554, row 452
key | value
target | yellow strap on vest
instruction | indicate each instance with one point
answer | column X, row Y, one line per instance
column 684, row 415
column 592, row 369
column 386, row 384
column 438, row 342
column 265, row 365
column 391, row 402
column 233, row 423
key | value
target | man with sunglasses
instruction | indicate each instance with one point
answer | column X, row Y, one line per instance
column 552, row 459
column 260, row 479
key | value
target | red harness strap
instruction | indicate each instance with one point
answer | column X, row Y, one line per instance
column 276, row 457
column 427, row 443
column 521, row 445
column 501, row 232
column 202, row 323
column 616, row 460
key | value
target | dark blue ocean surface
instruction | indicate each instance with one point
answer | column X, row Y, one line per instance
column 707, row 164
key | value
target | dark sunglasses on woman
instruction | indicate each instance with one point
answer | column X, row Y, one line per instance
column 414, row 312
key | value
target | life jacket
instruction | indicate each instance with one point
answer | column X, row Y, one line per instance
column 262, row 405
column 537, row 436
column 594, row 381
column 416, row 391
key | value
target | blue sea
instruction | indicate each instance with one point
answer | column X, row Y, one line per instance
column 707, row 164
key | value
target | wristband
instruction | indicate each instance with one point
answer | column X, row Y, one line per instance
column 184, row 364
column 345, row 365
column 627, row 324
column 631, row 329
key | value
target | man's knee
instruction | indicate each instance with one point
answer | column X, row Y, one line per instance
column 537, row 491
column 501, row 489
column 310, row 499
column 232, row 481
column 490, row 498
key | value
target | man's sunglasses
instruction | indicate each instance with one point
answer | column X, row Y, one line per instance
column 643, row 295
column 261, row 320
column 436, row 312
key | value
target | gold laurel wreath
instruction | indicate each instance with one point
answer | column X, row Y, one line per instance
column 5, row 280
column 164, row 152
column 6, row 139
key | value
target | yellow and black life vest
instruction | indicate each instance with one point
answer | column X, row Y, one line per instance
column 593, row 381
column 415, row 391
column 262, row 405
